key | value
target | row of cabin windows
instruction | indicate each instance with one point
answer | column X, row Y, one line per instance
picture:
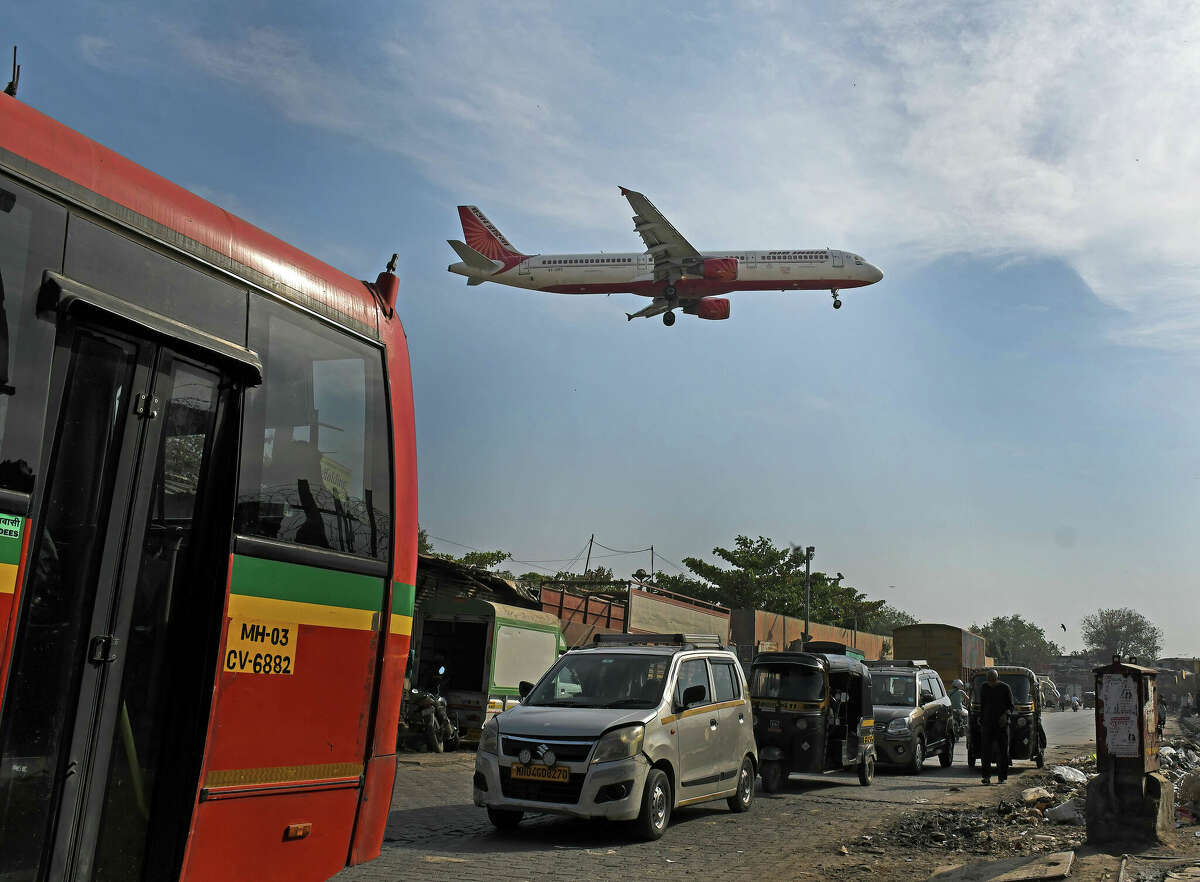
column 605, row 260
column 612, row 261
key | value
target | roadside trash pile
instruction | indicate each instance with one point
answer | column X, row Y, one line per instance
column 1048, row 817
column 1012, row 826
column 1179, row 759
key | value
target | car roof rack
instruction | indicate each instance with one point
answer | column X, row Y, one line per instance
column 897, row 663
column 682, row 641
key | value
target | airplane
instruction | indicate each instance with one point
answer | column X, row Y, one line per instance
column 670, row 271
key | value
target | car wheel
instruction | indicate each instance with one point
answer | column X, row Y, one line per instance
column 946, row 757
column 744, row 798
column 866, row 771
column 918, row 758
column 656, row 806
column 504, row 819
column 772, row 777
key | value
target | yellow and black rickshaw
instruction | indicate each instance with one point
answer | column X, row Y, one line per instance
column 1026, row 737
column 812, row 714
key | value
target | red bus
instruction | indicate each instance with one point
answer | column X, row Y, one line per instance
column 207, row 532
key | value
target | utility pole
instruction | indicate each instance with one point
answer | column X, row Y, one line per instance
column 651, row 563
column 588, row 562
column 808, row 556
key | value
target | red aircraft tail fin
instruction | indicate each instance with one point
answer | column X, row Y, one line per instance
column 482, row 235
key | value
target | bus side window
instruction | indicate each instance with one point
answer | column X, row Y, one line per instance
column 315, row 442
column 32, row 230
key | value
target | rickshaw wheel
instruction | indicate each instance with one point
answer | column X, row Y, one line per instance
column 772, row 776
column 866, row 771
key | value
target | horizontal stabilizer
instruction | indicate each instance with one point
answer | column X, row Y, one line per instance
column 473, row 258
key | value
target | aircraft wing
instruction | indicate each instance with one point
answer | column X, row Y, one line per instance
column 665, row 243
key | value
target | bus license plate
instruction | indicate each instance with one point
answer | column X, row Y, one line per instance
column 558, row 774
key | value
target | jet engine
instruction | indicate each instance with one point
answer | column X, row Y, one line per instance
column 721, row 269
column 712, row 269
column 712, row 308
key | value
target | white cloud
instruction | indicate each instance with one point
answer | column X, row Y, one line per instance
column 906, row 131
column 97, row 51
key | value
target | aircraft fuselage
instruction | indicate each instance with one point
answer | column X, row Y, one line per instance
column 633, row 272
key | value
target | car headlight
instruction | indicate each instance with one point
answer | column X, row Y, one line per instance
column 898, row 726
column 619, row 744
column 489, row 739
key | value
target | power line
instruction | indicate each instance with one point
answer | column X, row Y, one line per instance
column 621, row 551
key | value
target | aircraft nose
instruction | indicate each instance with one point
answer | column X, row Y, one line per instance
column 874, row 274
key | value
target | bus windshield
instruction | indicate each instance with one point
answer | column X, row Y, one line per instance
column 787, row 682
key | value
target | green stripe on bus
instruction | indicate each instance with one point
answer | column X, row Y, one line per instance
column 403, row 598
column 11, row 528
column 256, row 577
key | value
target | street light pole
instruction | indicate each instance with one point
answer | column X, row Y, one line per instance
column 808, row 556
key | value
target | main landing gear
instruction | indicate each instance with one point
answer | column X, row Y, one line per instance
column 837, row 304
column 668, row 318
column 669, row 292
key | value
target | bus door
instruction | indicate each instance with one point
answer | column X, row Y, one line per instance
column 105, row 717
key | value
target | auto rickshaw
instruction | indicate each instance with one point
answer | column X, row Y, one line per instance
column 812, row 714
column 1026, row 737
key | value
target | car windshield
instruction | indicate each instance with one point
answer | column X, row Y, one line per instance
column 787, row 682
column 603, row 680
column 899, row 690
column 1018, row 683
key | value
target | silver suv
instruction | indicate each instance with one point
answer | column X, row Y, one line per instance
column 627, row 729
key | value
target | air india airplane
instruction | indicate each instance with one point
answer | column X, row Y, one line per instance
column 670, row 271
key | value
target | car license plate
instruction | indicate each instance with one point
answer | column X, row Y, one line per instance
column 559, row 774
column 774, row 725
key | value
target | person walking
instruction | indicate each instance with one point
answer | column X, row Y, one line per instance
column 995, row 704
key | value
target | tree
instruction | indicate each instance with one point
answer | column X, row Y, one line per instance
column 424, row 546
column 485, row 560
column 887, row 620
column 1012, row 640
column 1124, row 632
column 763, row 576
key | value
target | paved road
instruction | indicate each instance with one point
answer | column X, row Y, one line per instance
column 435, row 831
column 1071, row 727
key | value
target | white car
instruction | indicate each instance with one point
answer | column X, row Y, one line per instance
column 627, row 729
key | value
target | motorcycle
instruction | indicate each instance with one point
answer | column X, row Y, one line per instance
column 426, row 712
column 959, row 720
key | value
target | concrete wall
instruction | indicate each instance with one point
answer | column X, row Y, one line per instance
column 656, row 614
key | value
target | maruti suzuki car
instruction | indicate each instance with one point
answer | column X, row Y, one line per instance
column 627, row 729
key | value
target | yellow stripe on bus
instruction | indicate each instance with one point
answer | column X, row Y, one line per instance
column 281, row 774
column 401, row 624
column 269, row 609
column 8, row 578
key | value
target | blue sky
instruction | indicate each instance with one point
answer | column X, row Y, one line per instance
column 1007, row 423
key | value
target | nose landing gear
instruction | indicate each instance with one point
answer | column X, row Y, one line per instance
column 837, row 304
